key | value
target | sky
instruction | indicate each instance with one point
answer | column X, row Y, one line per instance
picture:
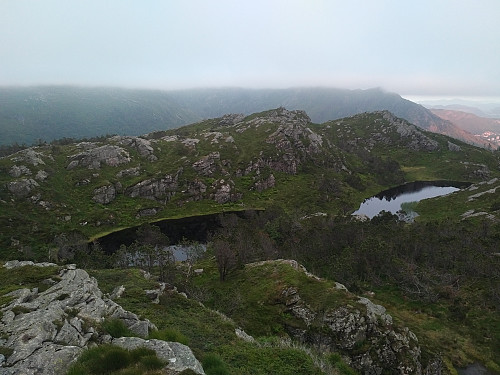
column 421, row 48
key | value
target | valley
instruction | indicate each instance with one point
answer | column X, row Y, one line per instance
column 267, row 193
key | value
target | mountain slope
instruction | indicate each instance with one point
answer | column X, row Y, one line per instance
column 234, row 162
column 468, row 121
column 53, row 112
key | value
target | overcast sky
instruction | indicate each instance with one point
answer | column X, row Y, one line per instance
column 412, row 47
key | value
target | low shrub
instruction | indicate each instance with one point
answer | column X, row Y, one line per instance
column 213, row 365
column 169, row 334
column 116, row 328
column 110, row 359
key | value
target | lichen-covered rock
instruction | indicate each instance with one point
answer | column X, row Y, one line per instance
column 143, row 146
column 147, row 212
column 19, row 170
column 231, row 119
column 454, row 147
column 361, row 330
column 104, row 194
column 22, row 188
column 129, row 172
column 29, row 156
column 47, row 330
column 95, row 157
column 41, row 175
column 16, row 263
column 265, row 183
column 224, row 192
column 178, row 357
column 207, row 165
column 156, row 189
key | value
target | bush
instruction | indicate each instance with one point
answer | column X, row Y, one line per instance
column 343, row 369
column 101, row 360
column 151, row 362
column 213, row 365
column 110, row 359
column 116, row 328
column 169, row 334
column 495, row 206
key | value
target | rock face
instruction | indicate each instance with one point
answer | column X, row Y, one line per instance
column 178, row 356
column 94, row 157
column 157, row 189
column 30, row 156
column 362, row 331
column 19, row 170
column 48, row 330
column 143, row 146
column 207, row 165
column 416, row 140
column 104, row 194
column 22, row 188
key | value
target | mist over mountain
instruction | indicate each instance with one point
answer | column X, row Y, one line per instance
column 52, row 112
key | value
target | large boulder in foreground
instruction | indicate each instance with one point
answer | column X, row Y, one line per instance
column 47, row 331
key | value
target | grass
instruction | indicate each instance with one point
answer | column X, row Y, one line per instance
column 29, row 277
column 473, row 338
column 36, row 227
column 110, row 359
column 252, row 296
column 169, row 334
column 206, row 331
column 456, row 204
column 116, row 328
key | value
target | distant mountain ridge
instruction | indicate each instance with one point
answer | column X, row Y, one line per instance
column 46, row 113
column 469, row 121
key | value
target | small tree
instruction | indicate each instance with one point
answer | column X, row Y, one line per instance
column 194, row 251
column 165, row 260
column 225, row 256
column 69, row 244
column 123, row 257
column 150, row 247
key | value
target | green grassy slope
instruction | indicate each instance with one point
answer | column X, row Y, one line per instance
column 330, row 167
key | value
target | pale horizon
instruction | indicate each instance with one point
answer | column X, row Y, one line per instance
column 425, row 48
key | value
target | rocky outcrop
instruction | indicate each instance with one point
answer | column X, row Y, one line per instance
column 147, row 212
column 231, row 119
column 224, row 192
column 129, row 172
column 454, row 147
column 207, row 165
column 29, row 156
column 104, row 194
column 265, row 183
column 41, row 175
column 196, row 190
column 178, row 356
column 155, row 189
column 46, row 331
column 22, row 188
column 19, row 170
column 93, row 158
column 360, row 330
column 143, row 146
column 414, row 138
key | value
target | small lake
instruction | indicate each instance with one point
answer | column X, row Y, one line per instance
column 392, row 199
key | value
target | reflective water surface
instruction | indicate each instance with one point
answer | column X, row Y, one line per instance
column 391, row 200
